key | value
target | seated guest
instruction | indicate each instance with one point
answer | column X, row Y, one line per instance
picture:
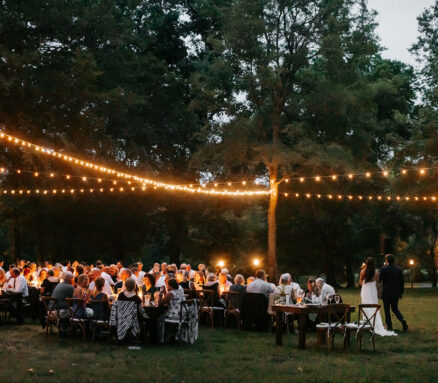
column 238, row 285
column 42, row 275
column 64, row 290
column 191, row 272
column 49, row 284
column 211, row 283
column 17, row 283
column 96, row 273
column 2, row 277
column 79, row 269
column 260, row 286
column 81, row 289
column 124, row 275
column 172, row 302
column 224, row 283
column 250, row 280
column 325, row 291
column 113, row 272
column 186, row 283
column 107, row 276
column 179, row 276
column 284, row 285
column 296, row 288
column 130, row 295
column 161, row 280
column 199, row 280
column 311, row 288
column 99, row 311
column 149, row 284
column 81, row 293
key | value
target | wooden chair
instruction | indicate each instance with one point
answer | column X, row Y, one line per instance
column 52, row 315
column 366, row 325
column 233, row 308
column 75, row 305
column 100, row 320
column 208, row 304
column 337, row 315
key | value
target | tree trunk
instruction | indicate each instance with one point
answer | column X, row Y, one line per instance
column 433, row 261
column 272, row 228
column 349, row 275
column 177, row 234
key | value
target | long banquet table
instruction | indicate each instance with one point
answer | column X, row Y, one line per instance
column 302, row 311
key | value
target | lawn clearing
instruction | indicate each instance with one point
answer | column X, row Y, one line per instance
column 227, row 355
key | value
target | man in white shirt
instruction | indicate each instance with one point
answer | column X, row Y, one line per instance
column 260, row 286
column 18, row 283
column 105, row 275
column 141, row 273
column 324, row 289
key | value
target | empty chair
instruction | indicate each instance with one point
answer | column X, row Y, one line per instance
column 337, row 315
column 368, row 312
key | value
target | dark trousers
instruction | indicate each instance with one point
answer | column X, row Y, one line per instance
column 391, row 303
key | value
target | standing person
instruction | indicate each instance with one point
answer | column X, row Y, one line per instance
column 369, row 296
column 393, row 283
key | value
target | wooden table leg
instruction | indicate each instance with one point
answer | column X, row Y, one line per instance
column 279, row 329
column 302, row 327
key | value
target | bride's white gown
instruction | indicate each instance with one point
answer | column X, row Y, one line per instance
column 369, row 296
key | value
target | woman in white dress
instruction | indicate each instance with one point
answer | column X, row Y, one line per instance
column 368, row 280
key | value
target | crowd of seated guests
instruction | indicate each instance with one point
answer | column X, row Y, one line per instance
column 164, row 283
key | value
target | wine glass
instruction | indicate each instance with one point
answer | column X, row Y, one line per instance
column 337, row 299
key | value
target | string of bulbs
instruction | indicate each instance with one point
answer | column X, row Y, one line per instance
column 189, row 188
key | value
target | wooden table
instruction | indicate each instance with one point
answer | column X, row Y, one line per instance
column 302, row 312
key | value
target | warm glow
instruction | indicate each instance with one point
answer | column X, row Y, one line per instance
column 368, row 174
column 221, row 263
column 256, row 262
column 411, row 262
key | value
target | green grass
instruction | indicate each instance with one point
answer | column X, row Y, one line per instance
column 227, row 355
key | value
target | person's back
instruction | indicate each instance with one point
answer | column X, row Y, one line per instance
column 392, row 280
column 62, row 291
column 239, row 288
column 259, row 286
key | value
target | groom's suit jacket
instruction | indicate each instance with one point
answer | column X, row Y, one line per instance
column 393, row 281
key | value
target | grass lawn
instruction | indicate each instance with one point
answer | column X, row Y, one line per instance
column 227, row 355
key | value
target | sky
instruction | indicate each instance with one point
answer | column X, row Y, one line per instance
column 398, row 27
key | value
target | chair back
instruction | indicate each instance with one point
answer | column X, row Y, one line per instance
column 254, row 311
column 337, row 314
column 207, row 298
column 189, row 293
column 101, row 309
column 369, row 314
column 76, row 306
column 50, row 304
column 233, row 300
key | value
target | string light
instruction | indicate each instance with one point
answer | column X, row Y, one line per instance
column 128, row 176
column 178, row 187
column 369, row 197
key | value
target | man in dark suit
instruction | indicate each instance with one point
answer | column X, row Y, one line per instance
column 393, row 282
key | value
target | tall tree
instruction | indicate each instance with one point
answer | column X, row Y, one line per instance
column 253, row 87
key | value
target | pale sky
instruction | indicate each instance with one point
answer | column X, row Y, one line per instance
column 398, row 27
